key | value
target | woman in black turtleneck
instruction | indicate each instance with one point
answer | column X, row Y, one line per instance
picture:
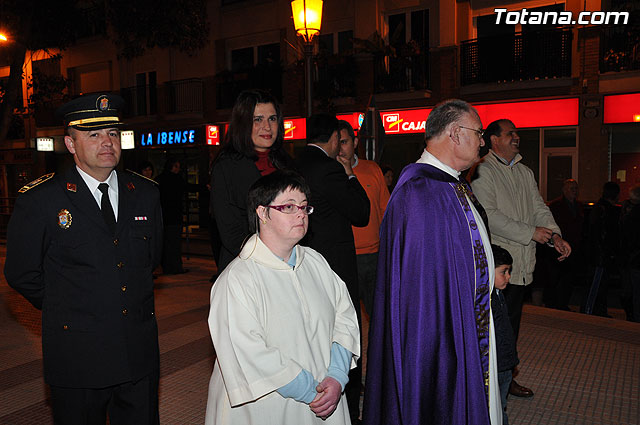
column 253, row 147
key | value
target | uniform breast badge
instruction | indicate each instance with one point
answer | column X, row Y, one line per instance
column 130, row 186
column 64, row 219
column 71, row 187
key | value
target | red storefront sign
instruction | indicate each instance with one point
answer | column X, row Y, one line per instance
column 621, row 108
column 540, row 113
column 295, row 129
column 355, row 119
column 213, row 135
column 408, row 121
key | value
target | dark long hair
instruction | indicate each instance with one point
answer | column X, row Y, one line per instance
column 238, row 142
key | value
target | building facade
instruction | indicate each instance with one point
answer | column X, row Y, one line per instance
column 571, row 89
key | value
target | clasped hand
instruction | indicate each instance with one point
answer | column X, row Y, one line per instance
column 327, row 399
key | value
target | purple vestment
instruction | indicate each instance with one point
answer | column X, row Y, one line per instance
column 424, row 365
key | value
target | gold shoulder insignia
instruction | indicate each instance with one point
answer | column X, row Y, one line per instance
column 36, row 182
column 140, row 175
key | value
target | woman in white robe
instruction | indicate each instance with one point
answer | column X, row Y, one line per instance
column 282, row 323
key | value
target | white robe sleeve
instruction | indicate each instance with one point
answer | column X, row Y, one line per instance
column 249, row 367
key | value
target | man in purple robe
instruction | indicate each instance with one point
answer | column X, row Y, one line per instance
column 431, row 355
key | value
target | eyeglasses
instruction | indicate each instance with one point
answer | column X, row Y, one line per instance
column 292, row 208
column 480, row 132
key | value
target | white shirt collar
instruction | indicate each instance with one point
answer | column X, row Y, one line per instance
column 428, row 158
column 514, row 161
column 92, row 184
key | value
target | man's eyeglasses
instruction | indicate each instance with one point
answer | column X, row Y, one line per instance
column 480, row 132
column 292, row 208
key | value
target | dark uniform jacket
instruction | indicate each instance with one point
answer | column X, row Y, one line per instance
column 95, row 289
column 339, row 202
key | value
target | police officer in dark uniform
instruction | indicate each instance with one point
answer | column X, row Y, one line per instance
column 81, row 246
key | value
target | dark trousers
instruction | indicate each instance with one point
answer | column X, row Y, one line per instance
column 172, row 249
column 131, row 403
column 367, row 268
column 514, row 296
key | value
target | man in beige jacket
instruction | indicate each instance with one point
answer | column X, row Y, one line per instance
column 518, row 217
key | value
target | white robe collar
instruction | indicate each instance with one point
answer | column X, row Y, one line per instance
column 255, row 249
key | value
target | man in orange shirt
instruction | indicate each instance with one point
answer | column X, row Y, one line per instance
column 367, row 238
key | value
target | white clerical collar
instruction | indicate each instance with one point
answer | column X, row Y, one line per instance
column 428, row 158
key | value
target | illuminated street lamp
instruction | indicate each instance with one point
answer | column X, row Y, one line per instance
column 3, row 37
column 307, row 19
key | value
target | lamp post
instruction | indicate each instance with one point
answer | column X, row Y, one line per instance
column 307, row 18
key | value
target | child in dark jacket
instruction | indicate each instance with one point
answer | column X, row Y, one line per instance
column 505, row 341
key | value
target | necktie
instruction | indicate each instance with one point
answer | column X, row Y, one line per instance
column 105, row 206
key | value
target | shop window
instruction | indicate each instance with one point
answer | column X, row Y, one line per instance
column 560, row 138
column 625, row 157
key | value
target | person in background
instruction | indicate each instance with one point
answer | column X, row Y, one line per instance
column 568, row 212
column 603, row 240
column 340, row 202
column 173, row 190
column 253, row 147
column 146, row 169
column 367, row 239
column 630, row 235
column 81, row 247
column 387, row 172
column 282, row 323
column 505, row 341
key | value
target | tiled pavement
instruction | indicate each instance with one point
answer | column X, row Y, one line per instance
column 584, row 369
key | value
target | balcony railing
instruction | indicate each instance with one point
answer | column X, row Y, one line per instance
column 620, row 48
column 401, row 73
column 172, row 97
column 520, row 57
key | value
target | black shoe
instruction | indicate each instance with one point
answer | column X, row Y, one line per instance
column 519, row 391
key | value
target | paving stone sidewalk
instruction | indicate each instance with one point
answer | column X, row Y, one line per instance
column 583, row 369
